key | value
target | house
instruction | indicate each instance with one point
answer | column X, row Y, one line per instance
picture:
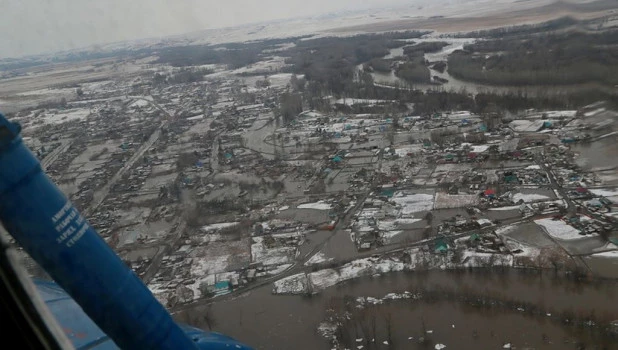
column 221, row 288
column 440, row 246
column 509, row 177
column 581, row 191
column 594, row 203
column 490, row 193
column 365, row 246
column 484, row 222
column 474, row 239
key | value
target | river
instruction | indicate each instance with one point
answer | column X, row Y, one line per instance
column 268, row 321
column 453, row 84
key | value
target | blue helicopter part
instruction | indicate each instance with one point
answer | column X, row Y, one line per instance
column 85, row 334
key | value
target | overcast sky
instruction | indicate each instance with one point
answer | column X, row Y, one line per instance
column 36, row 26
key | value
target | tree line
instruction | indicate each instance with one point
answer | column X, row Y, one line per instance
column 544, row 59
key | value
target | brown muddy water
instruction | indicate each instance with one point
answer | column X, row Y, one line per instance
column 599, row 154
column 267, row 321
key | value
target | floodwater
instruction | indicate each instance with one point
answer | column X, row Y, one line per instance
column 340, row 246
column 583, row 245
column 599, row 154
column 602, row 266
column 268, row 321
column 256, row 135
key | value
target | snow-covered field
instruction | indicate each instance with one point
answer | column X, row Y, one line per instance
column 317, row 259
column 387, row 236
column 523, row 125
column 403, row 151
column 604, row 192
column 559, row 229
column 511, row 207
column 319, row 280
column 65, row 116
column 360, row 101
column 316, row 281
column 403, row 221
column 219, row 226
column 206, row 266
column 448, row 201
column 139, row 104
column 295, row 284
column 526, row 250
column 317, row 206
column 413, row 203
column 47, row 92
column 261, row 253
column 528, row 197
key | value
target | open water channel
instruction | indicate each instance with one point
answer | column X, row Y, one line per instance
column 268, row 321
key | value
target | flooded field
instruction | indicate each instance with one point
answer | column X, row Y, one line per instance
column 281, row 322
column 598, row 154
column 603, row 266
column 530, row 234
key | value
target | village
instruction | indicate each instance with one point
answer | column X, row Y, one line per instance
column 426, row 175
column 204, row 200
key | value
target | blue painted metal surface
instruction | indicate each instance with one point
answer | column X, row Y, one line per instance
column 44, row 222
column 85, row 334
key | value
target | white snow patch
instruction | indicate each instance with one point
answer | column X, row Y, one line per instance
column 295, row 284
column 260, row 253
column 479, row 148
column 403, row 151
column 388, row 235
column 386, row 225
column 362, row 267
column 359, row 101
column 197, row 117
column 200, row 267
column 559, row 229
column 413, row 203
column 448, row 201
column 139, row 103
column 528, row 197
column 439, row 346
column 216, row 227
column 478, row 259
column 278, row 269
column 594, row 112
column 65, row 116
column 319, row 280
column 406, row 221
column 512, row 207
column 317, row 206
column 318, row 258
column 604, row 192
column 48, row 91
column 610, row 254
